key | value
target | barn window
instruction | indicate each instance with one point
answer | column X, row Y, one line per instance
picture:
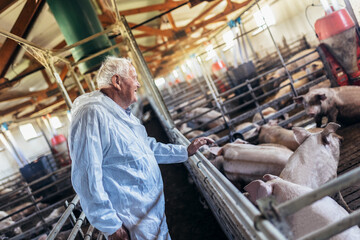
column 55, row 122
column 267, row 14
column 28, row 131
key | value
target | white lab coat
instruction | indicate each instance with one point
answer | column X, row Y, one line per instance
column 115, row 168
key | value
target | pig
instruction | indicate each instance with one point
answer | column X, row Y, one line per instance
column 319, row 214
column 193, row 134
column 316, row 159
column 212, row 114
column 56, row 213
column 311, row 69
column 300, row 78
column 292, row 66
column 267, row 112
column 276, row 134
column 249, row 134
column 7, row 223
column 26, row 212
column 340, row 104
column 324, row 84
column 246, row 162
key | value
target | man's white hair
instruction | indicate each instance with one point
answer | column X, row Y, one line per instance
column 110, row 67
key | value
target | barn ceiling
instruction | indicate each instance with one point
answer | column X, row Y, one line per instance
column 26, row 90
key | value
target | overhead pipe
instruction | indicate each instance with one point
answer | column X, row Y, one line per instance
column 77, row 20
column 279, row 53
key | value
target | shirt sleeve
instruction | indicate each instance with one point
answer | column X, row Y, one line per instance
column 168, row 153
column 86, row 151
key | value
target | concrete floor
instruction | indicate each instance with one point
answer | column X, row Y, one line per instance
column 350, row 159
column 186, row 217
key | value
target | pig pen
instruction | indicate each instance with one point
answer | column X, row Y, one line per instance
column 240, row 106
column 26, row 206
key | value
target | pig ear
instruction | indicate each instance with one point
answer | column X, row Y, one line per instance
column 257, row 126
column 330, row 128
column 240, row 141
column 273, row 122
column 321, row 97
column 298, row 99
column 216, row 150
column 258, row 189
column 269, row 177
column 300, row 134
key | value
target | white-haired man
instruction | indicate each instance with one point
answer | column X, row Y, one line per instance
column 114, row 163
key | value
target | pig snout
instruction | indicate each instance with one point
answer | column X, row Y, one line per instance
column 312, row 111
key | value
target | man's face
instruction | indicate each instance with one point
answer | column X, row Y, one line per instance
column 129, row 86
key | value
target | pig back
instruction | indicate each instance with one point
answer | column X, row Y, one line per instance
column 313, row 163
column 247, row 162
column 317, row 215
column 278, row 135
column 347, row 102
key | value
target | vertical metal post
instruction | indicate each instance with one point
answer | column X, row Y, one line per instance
column 214, row 93
column 222, row 53
column 238, row 44
column 89, row 82
column 60, row 84
column 250, row 45
column 242, row 32
column 10, row 139
column 279, row 54
column 76, row 79
column 37, row 209
column 352, row 14
column 254, row 97
column 148, row 79
column 43, row 134
column 11, row 149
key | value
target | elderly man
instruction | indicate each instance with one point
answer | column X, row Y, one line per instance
column 115, row 164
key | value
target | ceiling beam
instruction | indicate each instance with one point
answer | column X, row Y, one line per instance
column 16, row 108
column 171, row 20
column 203, row 14
column 4, row 4
column 21, row 27
column 46, row 77
column 156, row 7
column 152, row 31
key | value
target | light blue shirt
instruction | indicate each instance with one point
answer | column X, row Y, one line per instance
column 115, row 168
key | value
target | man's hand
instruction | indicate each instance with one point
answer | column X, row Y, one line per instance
column 197, row 143
column 121, row 234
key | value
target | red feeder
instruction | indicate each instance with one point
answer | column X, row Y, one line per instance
column 336, row 31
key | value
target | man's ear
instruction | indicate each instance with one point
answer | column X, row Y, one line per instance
column 115, row 80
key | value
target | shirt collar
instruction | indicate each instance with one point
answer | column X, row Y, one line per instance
column 128, row 111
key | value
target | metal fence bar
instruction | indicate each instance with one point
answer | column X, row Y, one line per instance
column 333, row 186
column 63, row 218
column 332, row 229
column 242, row 210
column 35, row 181
column 89, row 232
column 77, row 227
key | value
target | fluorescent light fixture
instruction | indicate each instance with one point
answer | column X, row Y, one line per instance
column 183, row 67
column 55, row 122
column 159, row 82
column 175, row 74
column 210, row 52
column 259, row 17
column 228, row 38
